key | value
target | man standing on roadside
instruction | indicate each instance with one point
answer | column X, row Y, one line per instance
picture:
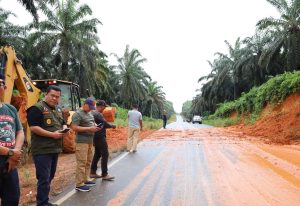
column 164, row 119
column 84, row 125
column 135, row 125
column 11, row 142
column 46, row 122
column 100, row 144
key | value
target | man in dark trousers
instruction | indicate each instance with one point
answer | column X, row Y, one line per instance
column 46, row 124
column 164, row 119
column 100, row 144
column 11, row 142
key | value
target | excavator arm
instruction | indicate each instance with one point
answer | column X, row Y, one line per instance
column 16, row 77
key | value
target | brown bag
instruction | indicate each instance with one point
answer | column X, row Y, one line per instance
column 69, row 142
column 109, row 114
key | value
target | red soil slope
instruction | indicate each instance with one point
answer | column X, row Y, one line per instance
column 278, row 124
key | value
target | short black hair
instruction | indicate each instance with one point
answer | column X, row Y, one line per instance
column 53, row 87
column 134, row 105
column 101, row 103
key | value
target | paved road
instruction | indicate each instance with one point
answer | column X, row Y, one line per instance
column 180, row 124
column 188, row 164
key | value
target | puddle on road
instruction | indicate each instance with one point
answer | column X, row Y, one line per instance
column 281, row 172
column 287, row 154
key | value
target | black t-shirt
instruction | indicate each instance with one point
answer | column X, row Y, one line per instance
column 35, row 117
column 99, row 119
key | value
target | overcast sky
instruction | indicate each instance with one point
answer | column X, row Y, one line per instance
column 177, row 37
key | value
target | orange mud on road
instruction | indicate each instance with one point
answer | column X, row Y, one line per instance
column 214, row 167
column 206, row 167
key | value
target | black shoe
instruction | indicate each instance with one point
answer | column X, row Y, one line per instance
column 51, row 204
column 90, row 183
column 83, row 188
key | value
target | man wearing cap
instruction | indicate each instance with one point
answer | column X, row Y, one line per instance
column 11, row 141
column 100, row 144
column 46, row 122
column 84, row 125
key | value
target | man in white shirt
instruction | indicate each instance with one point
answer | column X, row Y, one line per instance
column 135, row 125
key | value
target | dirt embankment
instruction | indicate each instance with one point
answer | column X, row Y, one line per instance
column 279, row 124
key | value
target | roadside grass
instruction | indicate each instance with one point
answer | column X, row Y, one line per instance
column 172, row 119
column 220, row 122
column 148, row 123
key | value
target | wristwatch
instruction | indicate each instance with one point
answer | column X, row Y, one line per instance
column 10, row 152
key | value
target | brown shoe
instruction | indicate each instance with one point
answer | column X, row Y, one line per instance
column 108, row 177
column 95, row 176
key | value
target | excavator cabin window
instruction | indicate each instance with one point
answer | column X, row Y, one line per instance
column 70, row 98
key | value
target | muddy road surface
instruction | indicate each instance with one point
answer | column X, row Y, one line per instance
column 192, row 164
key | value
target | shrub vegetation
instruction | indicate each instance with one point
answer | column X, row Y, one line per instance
column 273, row 91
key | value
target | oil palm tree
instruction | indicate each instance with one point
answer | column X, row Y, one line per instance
column 247, row 71
column 32, row 8
column 99, row 75
column 71, row 37
column 132, row 77
column 155, row 98
column 286, row 34
column 219, row 86
column 9, row 33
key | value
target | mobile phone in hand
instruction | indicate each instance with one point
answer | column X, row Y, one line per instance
column 100, row 125
column 64, row 130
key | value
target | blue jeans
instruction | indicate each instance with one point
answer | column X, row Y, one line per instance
column 45, row 166
column 9, row 189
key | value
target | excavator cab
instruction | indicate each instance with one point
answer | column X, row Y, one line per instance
column 70, row 98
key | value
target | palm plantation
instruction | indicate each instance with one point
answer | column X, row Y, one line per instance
column 65, row 45
column 272, row 50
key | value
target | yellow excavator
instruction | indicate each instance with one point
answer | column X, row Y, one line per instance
column 29, row 92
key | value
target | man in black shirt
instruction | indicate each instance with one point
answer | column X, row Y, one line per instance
column 46, row 123
column 100, row 144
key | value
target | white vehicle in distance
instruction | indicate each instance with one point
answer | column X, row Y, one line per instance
column 197, row 118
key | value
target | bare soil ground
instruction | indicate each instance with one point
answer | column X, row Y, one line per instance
column 278, row 124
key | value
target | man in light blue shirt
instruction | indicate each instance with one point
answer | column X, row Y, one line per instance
column 135, row 125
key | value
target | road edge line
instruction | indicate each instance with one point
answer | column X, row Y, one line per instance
column 72, row 192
